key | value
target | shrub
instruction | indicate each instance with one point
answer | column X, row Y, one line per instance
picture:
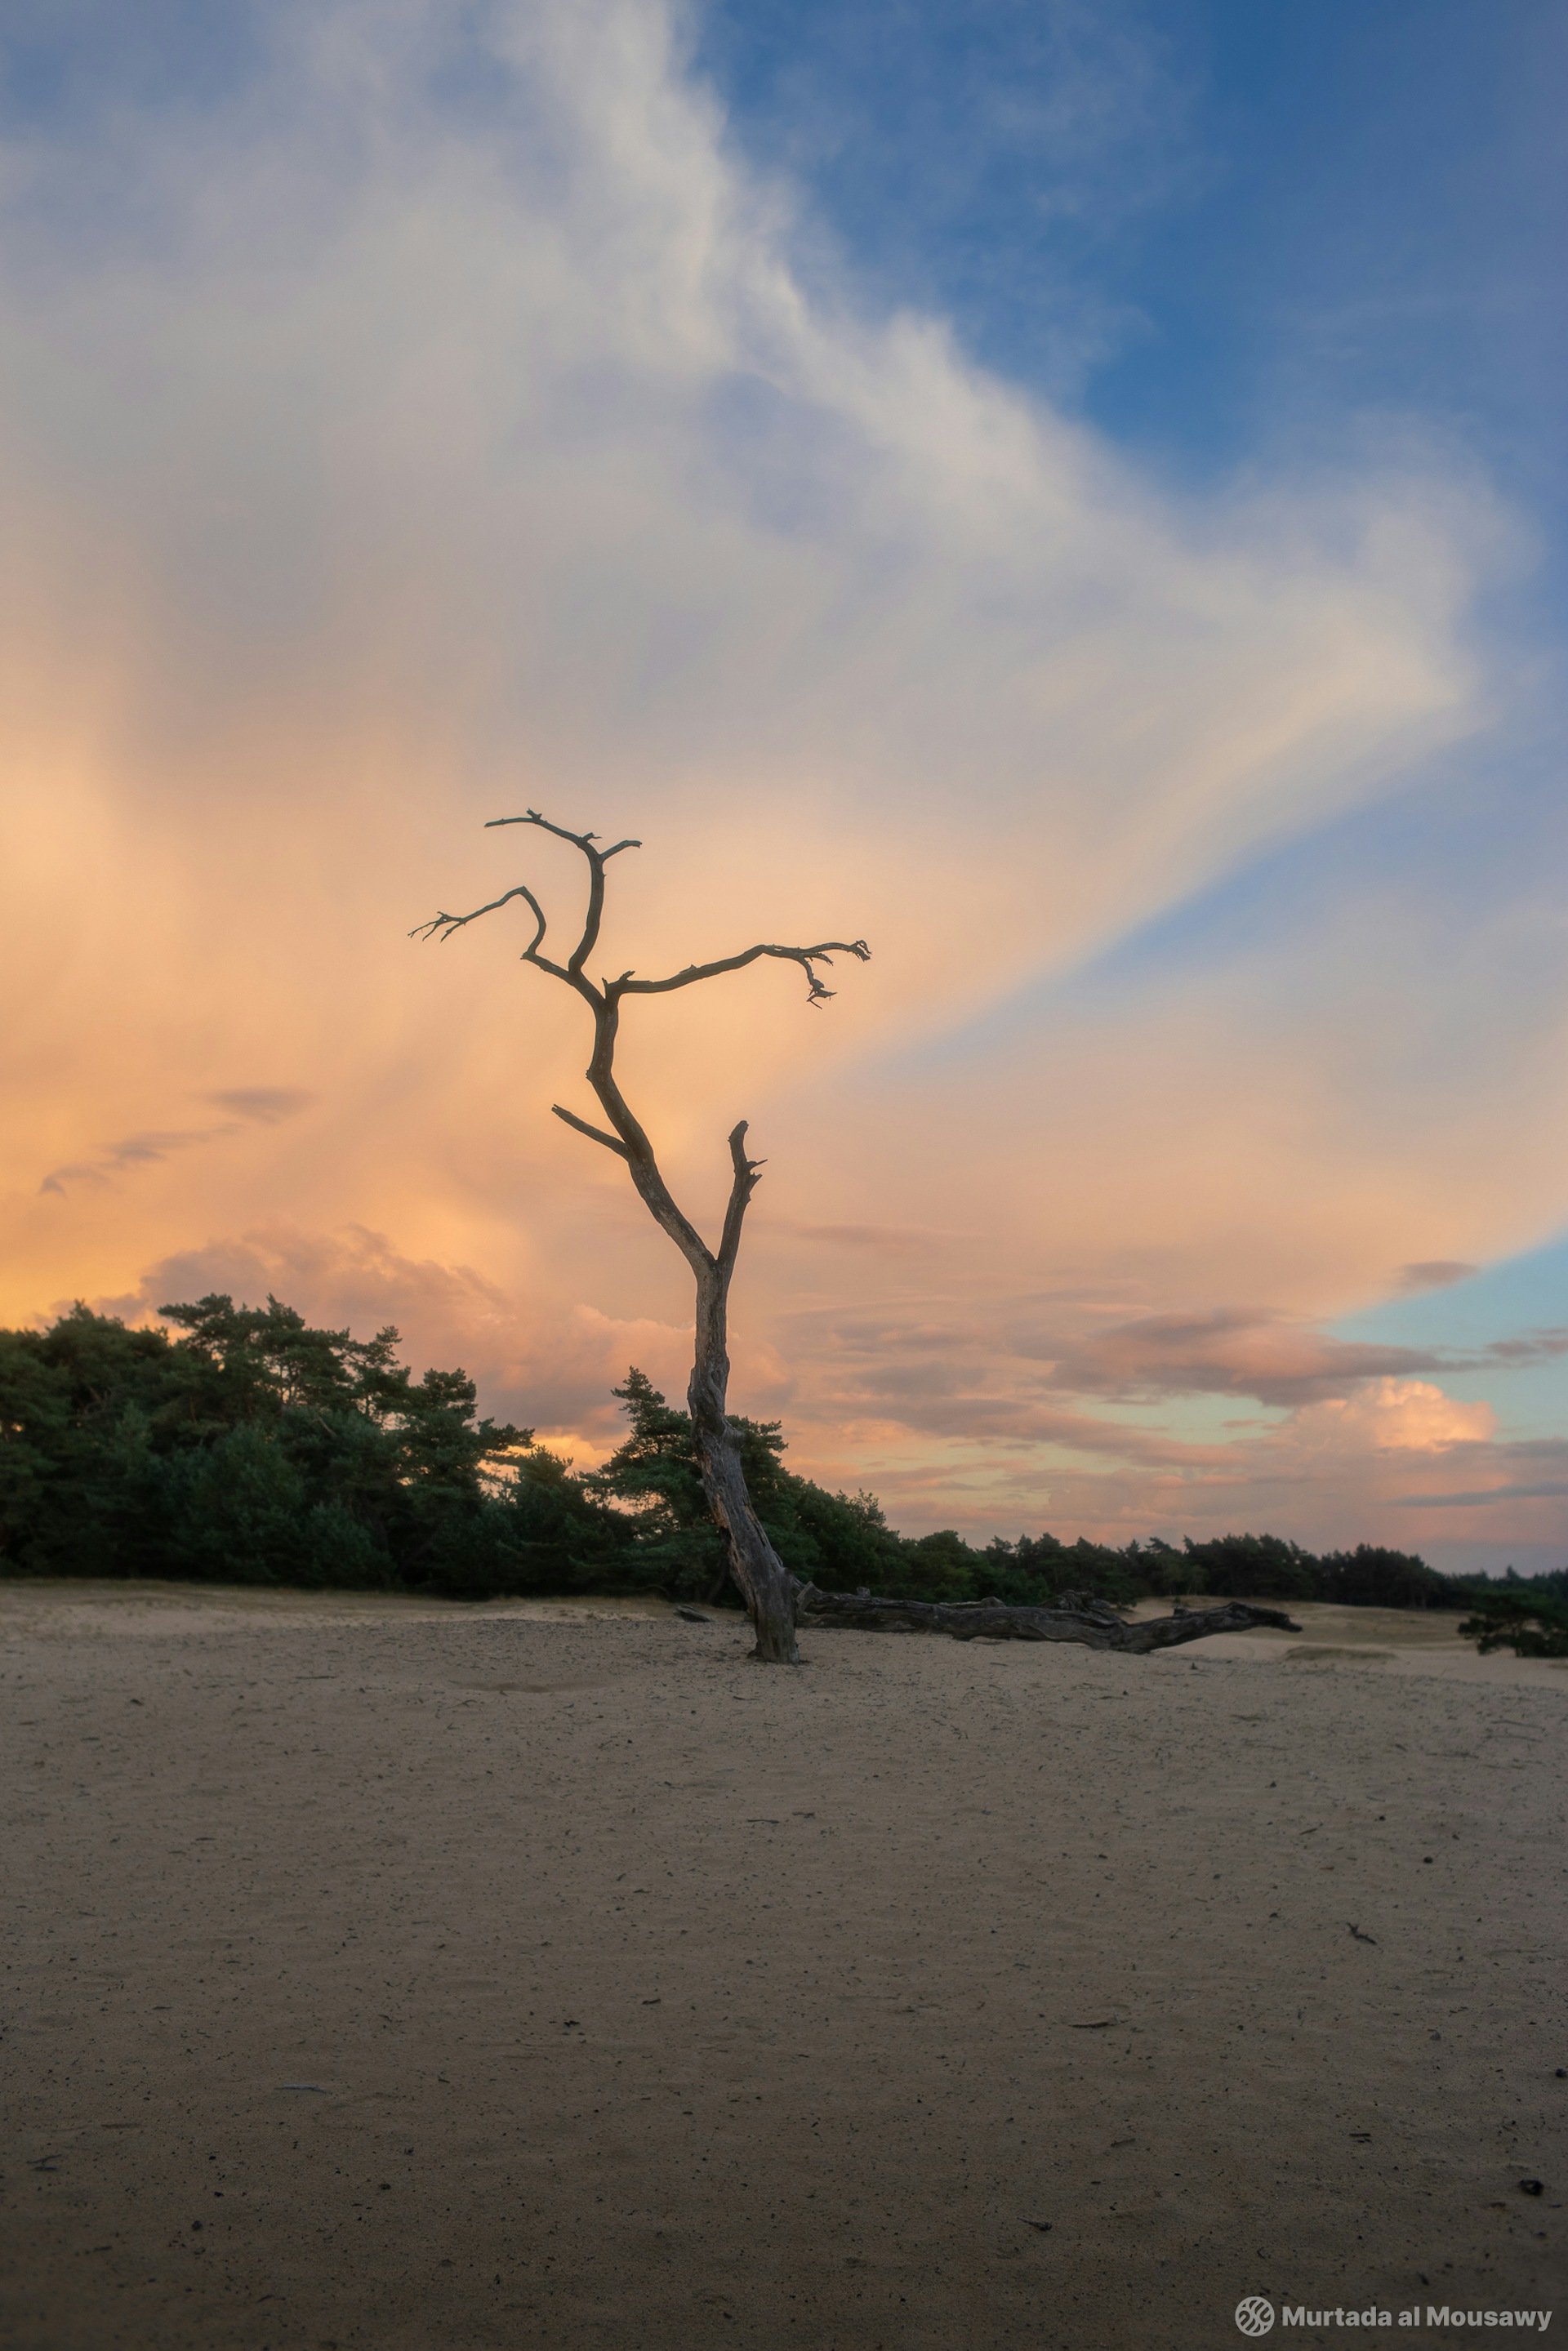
column 1529, row 1625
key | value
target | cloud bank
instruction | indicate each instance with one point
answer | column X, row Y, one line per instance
column 430, row 420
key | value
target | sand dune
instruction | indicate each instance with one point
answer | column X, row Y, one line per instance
column 404, row 1976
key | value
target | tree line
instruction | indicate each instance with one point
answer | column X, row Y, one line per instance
column 248, row 1447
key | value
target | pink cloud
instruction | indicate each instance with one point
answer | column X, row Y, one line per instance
column 1227, row 1352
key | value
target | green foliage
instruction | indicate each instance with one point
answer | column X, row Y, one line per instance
column 1552, row 1585
column 1531, row 1623
column 252, row 1448
column 822, row 1538
column 566, row 1541
column 1257, row 1567
column 1371, row 1577
column 1037, row 1569
column 671, row 1541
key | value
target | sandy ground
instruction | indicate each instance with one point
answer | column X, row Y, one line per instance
column 421, row 1978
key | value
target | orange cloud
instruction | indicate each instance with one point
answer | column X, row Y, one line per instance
column 394, row 476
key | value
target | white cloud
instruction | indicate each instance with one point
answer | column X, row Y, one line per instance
column 1394, row 1416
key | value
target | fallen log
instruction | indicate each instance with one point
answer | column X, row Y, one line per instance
column 1078, row 1616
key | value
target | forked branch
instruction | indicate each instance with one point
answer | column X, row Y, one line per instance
column 583, row 840
column 597, row 859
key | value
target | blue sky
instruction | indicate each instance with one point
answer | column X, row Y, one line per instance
column 1214, row 229
column 1212, row 226
column 1218, row 229
column 1496, row 1304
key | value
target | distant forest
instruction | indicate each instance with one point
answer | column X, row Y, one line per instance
column 250, row 1449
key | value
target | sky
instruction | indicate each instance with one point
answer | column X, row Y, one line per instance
column 1071, row 494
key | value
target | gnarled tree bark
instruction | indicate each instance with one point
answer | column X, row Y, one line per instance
column 1078, row 1616
column 766, row 1584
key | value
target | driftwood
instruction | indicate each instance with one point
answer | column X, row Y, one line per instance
column 1078, row 1616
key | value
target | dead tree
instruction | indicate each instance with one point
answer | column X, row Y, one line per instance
column 765, row 1582
column 1072, row 1616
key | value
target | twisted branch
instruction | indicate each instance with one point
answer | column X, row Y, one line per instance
column 442, row 926
column 597, row 859
column 804, row 956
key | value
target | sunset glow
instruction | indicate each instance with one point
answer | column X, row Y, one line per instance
column 439, row 413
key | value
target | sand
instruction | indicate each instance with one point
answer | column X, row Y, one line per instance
column 414, row 1977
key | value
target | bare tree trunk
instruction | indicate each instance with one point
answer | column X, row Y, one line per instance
column 764, row 1581
column 766, row 1584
